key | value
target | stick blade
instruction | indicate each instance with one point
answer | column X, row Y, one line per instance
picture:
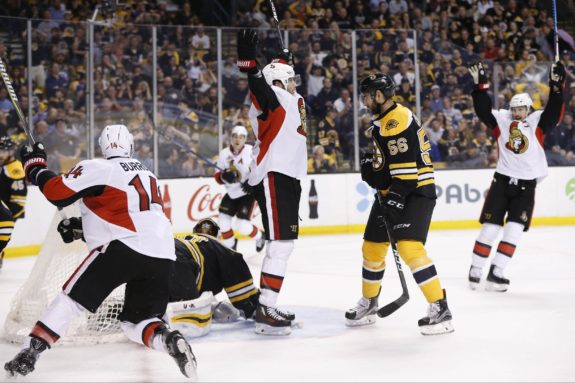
column 392, row 307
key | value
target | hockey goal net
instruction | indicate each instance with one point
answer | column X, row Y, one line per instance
column 54, row 265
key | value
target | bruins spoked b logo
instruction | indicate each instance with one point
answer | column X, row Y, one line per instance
column 517, row 142
column 391, row 124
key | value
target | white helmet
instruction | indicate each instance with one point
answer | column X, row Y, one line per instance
column 278, row 71
column 521, row 99
column 116, row 141
column 241, row 130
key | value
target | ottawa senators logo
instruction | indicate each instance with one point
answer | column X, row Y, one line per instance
column 517, row 142
column 302, row 129
column 391, row 124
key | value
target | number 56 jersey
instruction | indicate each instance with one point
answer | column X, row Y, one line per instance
column 120, row 200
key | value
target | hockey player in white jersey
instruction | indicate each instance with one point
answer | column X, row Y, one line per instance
column 129, row 240
column 521, row 165
column 279, row 162
column 235, row 162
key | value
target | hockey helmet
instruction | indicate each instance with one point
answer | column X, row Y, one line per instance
column 240, row 130
column 521, row 99
column 207, row 226
column 116, row 141
column 6, row 143
column 280, row 72
column 378, row 81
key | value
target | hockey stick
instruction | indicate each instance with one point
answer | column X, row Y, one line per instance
column 14, row 100
column 275, row 16
column 555, row 33
column 391, row 307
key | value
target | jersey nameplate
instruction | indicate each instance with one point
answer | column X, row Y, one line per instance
column 132, row 166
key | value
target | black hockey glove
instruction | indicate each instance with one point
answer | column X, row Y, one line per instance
column 366, row 167
column 34, row 160
column 392, row 204
column 70, row 229
column 229, row 176
column 247, row 188
column 557, row 77
column 284, row 57
column 247, row 44
column 479, row 77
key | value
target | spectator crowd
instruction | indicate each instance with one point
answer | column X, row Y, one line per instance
column 429, row 43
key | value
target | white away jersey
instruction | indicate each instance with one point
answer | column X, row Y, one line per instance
column 520, row 144
column 281, row 138
column 121, row 200
column 241, row 161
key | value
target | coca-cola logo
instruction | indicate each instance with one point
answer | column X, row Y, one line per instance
column 204, row 204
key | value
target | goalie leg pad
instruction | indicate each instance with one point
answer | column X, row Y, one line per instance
column 192, row 318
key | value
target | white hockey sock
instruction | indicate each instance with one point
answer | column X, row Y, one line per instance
column 274, row 267
column 57, row 317
column 143, row 333
column 482, row 247
column 226, row 232
column 511, row 235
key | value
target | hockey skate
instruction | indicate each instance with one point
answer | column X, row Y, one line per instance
column 496, row 282
column 474, row 277
column 438, row 319
column 260, row 243
column 271, row 321
column 363, row 314
column 180, row 350
column 24, row 362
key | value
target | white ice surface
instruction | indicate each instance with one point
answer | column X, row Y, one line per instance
column 526, row 334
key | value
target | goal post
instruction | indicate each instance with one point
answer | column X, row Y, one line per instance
column 54, row 265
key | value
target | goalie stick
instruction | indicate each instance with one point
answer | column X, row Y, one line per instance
column 391, row 307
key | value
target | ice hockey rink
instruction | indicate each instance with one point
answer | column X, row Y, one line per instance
column 525, row 334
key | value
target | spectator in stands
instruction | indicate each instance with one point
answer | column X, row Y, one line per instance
column 560, row 143
column 55, row 80
column 436, row 100
column 325, row 98
column 320, row 162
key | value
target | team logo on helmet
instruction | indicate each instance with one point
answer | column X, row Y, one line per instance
column 517, row 142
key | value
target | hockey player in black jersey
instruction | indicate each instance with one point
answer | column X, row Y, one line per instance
column 13, row 192
column 203, row 263
column 508, row 207
column 401, row 171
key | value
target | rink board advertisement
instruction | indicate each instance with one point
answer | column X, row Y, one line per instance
column 337, row 203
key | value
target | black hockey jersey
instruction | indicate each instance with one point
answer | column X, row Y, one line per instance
column 13, row 189
column 402, row 163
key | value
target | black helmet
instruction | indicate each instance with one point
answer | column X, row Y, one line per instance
column 207, row 226
column 378, row 81
column 6, row 143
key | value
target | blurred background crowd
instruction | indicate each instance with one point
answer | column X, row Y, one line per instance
column 200, row 95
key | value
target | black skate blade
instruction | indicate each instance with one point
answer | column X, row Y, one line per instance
column 392, row 307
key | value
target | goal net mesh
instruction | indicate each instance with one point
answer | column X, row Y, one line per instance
column 54, row 265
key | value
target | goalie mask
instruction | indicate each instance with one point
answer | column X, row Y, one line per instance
column 116, row 141
column 207, row 226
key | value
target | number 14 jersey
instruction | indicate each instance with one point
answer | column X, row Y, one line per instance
column 120, row 200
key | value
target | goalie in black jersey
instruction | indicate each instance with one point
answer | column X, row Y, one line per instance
column 13, row 192
column 401, row 171
column 203, row 264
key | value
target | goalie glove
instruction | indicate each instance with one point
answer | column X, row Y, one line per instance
column 229, row 176
column 477, row 71
column 70, row 229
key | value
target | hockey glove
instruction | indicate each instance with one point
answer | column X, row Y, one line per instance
column 247, row 44
column 392, row 204
column 71, row 229
column 284, row 57
column 479, row 77
column 247, row 188
column 366, row 167
column 557, row 76
column 34, row 160
column 229, row 176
